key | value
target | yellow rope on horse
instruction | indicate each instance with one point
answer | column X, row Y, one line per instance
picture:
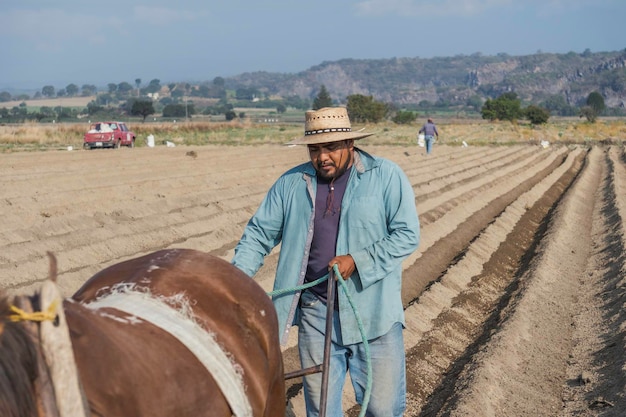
column 21, row 315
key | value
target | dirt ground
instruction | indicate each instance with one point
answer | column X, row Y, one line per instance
column 514, row 300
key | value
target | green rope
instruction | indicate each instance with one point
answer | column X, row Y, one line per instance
column 366, row 346
column 298, row 288
column 343, row 285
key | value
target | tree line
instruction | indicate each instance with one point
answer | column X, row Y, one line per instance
column 508, row 107
column 176, row 101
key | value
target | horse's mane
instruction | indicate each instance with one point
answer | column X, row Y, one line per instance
column 18, row 366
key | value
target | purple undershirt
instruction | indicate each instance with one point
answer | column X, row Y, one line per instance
column 326, row 225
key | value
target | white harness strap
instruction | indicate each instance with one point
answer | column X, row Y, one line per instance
column 200, row 342
column 59, row 356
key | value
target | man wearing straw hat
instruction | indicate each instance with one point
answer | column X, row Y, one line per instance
column 347, row 208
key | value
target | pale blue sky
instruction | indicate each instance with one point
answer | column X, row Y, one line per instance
column 57, row 42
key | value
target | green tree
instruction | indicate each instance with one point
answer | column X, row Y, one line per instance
column 45, row 112
column 322, row 99
column 88, row 90
column 488, row 111
column 47, row 91
column 596, row 102
column 536, row 114
column 154, row 86
column 64, row 112
column 124, row 88
column 230, row 115
column 505, row 107
column 143, row 108
column 281, row 108
column 365, row 109
column 19, row 113
column 403, row 117
column 71, row 90
column 5, row 96
column 595, row 106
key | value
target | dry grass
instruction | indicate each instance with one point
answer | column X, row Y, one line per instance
column 51, row 102
column 34, row 136
column 479, row 132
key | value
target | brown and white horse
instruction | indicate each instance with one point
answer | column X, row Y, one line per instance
column 174, row 333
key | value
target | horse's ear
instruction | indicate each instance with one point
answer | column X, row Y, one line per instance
column 52, row 270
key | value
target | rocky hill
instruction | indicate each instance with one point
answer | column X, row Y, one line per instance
column 455, row 80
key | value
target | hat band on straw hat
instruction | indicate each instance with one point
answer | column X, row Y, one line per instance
column 330, row 130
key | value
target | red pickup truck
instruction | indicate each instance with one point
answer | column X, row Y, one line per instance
column 108, row 135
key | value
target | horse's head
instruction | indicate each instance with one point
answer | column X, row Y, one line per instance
column 27, row 325
column 22, row 379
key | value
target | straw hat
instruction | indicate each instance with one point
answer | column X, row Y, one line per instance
column 329, row 124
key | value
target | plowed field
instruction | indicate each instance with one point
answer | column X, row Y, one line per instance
column 515, row 299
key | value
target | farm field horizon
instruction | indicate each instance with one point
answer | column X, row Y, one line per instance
column 261, row 130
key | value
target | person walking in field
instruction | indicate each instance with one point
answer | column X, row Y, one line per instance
column 430, row 132
column 357, row 211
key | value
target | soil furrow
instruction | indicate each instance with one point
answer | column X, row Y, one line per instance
column 517, row 288
column 436, row 258
column 463, row 174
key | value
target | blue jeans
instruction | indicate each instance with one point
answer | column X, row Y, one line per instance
column 388, row 394
column 429, row 139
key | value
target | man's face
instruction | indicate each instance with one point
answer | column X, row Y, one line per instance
column 332, row 159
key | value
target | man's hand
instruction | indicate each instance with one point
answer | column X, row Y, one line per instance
column 345, row 264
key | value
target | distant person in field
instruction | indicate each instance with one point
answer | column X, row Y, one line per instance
column 348, row 208
column 430, row 132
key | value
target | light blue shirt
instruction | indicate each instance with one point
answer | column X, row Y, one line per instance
column 379, row 228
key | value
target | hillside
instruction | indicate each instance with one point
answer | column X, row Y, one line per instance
column 560, row 83
column 453, row 80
